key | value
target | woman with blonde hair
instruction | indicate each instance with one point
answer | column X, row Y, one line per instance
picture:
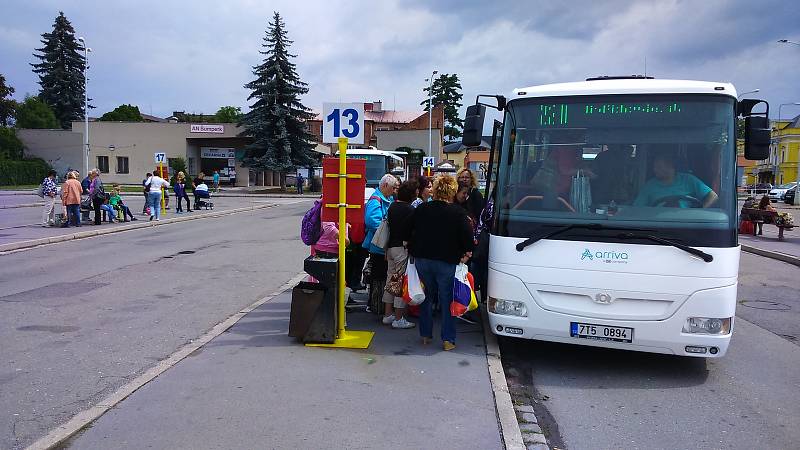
column 180, row 193
column 439, row 237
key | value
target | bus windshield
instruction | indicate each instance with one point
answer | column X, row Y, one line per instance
column 664, row 164
column 378, row 165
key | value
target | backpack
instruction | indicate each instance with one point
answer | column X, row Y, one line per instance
column 311, row 226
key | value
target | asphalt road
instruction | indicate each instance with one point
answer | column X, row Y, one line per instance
column 602, row 399
column 79, row 319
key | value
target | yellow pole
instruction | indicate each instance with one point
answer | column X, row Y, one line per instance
column 163, row 208
column 342, row 230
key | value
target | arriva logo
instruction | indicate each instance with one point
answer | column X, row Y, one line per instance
column 607, row 256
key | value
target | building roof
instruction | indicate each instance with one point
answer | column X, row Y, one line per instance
column 149, row 118
column 794, row 123
column 385, row 116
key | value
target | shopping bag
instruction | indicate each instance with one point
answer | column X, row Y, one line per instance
column 464, row 298
column 413, row 290
column 381, row 237
column 746, row 227
column 580, row 194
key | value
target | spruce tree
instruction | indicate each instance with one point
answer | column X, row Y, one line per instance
column 277, row 119
column 447, row 92
column 61, row 72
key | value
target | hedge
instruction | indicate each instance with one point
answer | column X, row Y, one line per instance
column 17, row 172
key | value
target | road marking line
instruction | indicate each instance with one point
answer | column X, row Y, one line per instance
column 82, row 419
column 509, row 427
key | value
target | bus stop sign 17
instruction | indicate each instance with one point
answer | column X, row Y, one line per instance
column 343, row 120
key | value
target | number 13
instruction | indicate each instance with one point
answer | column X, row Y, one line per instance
column 352, row 115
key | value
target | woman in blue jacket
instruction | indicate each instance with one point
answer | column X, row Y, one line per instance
column 375, row 210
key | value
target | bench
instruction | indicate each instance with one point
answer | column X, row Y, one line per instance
column 761, row 216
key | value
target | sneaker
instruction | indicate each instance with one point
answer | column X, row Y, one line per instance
column 403, row 324
column 448, row 346
column 134, row 218
column 388, row 320
column 151, row 218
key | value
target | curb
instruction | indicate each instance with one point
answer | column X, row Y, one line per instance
column 21, row 205
column 84, row 418
column 23, row 245
column 506, row 415
column 772, row 254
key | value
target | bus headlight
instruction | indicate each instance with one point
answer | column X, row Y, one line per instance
column 703, row 325
column 507, row 307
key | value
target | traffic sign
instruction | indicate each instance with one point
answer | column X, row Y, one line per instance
column 160, row 157
column 343, row 120
column 428, row 161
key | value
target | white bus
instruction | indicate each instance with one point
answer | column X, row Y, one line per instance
column 615, row 216
column 379, row 163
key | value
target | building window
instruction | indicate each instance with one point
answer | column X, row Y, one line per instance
column 102, row 164
column 190, row 166
column 122, row 164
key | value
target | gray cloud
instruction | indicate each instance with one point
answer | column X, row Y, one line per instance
column 196, row 56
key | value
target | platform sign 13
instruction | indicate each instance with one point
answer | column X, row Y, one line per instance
column 343, row 120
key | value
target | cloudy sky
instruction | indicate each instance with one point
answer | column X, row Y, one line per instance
column 197, row 55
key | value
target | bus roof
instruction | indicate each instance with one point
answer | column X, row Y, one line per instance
column 371, row 151
column 624, row 86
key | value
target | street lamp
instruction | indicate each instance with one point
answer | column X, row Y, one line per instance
column 86, row 51
column 780, row 117
column 430, row 113
column 748, row 92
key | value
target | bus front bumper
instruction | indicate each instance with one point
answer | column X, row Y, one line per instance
column 664, row 336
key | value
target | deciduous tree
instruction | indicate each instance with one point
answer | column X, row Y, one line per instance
column 123, row 113
column 447, row 92
column 34, row 113
column 7, row 105
column 229, row 114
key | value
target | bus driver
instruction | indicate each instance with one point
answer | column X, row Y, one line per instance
column 673, row 188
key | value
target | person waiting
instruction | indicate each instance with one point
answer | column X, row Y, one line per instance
column 672, row 188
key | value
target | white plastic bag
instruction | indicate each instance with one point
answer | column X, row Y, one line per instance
column 413, row 290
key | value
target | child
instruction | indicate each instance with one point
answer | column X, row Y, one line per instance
column 116, row 202
column 180, row 192
column 110, row 213
column 328, row 244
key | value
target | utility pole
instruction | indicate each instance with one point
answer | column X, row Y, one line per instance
column 430, row 113
column 86, row 51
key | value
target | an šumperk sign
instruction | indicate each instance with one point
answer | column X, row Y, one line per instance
column 205, row 128
column 343, row 120
column 219, row 153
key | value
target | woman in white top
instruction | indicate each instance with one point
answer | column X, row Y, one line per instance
column 155, row 183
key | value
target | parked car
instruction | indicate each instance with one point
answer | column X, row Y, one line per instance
column 788, row 197
column 776, row 194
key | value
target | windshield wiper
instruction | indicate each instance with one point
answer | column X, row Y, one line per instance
column 591, row 226
column 699, row 253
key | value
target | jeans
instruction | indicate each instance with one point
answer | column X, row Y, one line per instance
column 110, row 213
column 49, row 211
column 154, row 200
column 180, row 198
column 437, row 276
column 146, row 202
column 74, row 214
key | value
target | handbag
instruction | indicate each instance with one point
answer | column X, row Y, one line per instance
column 394, row 285
column 413, row 289
column 580, row 194
column 381, row 237
column 86, row 203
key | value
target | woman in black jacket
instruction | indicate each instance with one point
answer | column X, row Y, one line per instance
column 440, row 237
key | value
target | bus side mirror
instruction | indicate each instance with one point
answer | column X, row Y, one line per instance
column 473, row 126
column 756, row 138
